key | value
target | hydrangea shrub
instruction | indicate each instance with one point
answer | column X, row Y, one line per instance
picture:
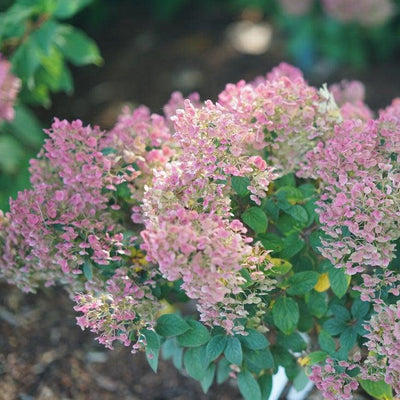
column 232, row 237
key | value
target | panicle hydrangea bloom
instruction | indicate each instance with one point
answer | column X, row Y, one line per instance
column 299, row 7
column 66, row 219
column 383, row 361
column 176, row 102
column 364, row 12
column 190, row 232
column 9, row 88
column 119, row 312
column 334, row 385
column 359, row 207
column 350, row 96
column 285, row 115
column 131, row 138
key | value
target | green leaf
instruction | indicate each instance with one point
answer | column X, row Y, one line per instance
column 248, row 386
column 334, row 326
column 280, row 266
column 339, row 281
column 256, row 219
column 208, row 378
column 285, row 313
column 271, row 241
column 196, row 336
column 272, row 209
column 171, row 325
column 340, row 312
column 44, row 36
column 240, row 184
column 379, row 390
column 195, row 362
column 257, row 360
column 293, row 245
column 298, row 213
column 265, row 383
column 317, row 357
column 88, row 270
column 302, row 282
column 152, row 339
column 11, row 154
column 359, row 309
column 293, row 342
column 77, row 47
column 68, row 8
column 326, row 342
column 26, row 61
column 223, row 370
column 152, row 349
column 254, row 340
column 285, row 180
column 216, row 346
column 301, row 380
column 317, row 303
column 26, row 126
column 348, row 338
column 233, row 351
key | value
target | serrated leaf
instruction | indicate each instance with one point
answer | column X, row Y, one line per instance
column 240, row 184
column 152, row 358
column 286, row 315
column 359, row 309
column 293, row 342
column 298, row 213
column 171, row 325
column 233, row 351
column 248, row 386
column 348, row 338
column 379, row 390
column 254, row 340
column 257, row 360
column 334, row 326
column 302, row 282
column 207, row 381
column 340, row 312
column 301, row 380
column 339, row 281
column 255, row 218
column 196, row 336
column 216, row 346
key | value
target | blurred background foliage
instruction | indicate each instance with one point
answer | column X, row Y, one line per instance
column 44, row 38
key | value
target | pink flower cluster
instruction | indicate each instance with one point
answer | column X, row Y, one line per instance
column 9, row 88
column 134, row 134
column 350, row 96
column 383, row 361
column 189, row 231
column 359, row 207
column 364, row 12
column 121, row 311
column 64, row 219
column 334, row 385
column 282, row 114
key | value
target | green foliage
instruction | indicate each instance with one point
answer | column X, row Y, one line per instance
column 256, row 219
column 171, row 325
column 39, row 47
column 286, row 314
